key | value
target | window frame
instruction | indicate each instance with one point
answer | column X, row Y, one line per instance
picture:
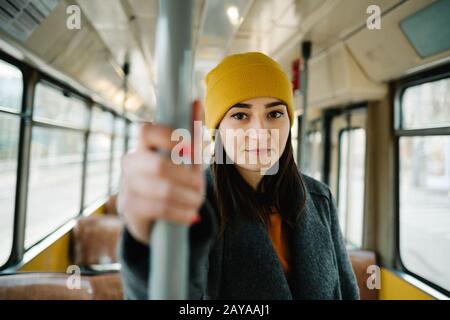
column 435, row 74
column 86, row 208
column 338, row 184
column 115, row 137
column 21, row 168
column 22, row 69
column 50, row 124
column 31, row 76
column 332, row 178
column 317, row 126
column 68, row 93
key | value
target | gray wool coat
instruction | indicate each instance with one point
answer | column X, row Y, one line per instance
column 243, row 263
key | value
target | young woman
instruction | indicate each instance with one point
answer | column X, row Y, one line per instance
column 278, row 235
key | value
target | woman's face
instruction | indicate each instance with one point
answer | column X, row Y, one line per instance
column 254, row 132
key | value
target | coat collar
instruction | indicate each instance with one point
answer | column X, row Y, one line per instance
column 251, row 267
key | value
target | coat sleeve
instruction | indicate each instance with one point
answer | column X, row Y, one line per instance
column 347, row 279
column 134, row 258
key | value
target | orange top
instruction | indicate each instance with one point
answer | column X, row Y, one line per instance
column 279, row 241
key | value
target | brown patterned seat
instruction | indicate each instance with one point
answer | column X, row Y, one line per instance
column 361, row 260
column 95, row 240
column 56, row 286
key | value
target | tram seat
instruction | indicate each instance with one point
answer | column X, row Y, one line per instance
column 361, row 260
column 94, row 242
column 54, row 286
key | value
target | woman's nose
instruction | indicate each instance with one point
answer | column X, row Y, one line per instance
column 259, row 131
column 259, row 123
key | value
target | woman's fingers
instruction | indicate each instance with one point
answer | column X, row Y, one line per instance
column 142, row 210
column 154, row 187
column 140, row 214
column 152, row 164
column 155, row 137
column 164, row 190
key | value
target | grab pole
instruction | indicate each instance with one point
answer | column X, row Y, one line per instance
column 169, row 253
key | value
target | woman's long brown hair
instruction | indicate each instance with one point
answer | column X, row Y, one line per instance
column 285, row 191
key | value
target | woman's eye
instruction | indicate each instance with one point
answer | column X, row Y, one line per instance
column 275, row 114
column 239, row 116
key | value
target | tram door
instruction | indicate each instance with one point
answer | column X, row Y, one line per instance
column 347, row 171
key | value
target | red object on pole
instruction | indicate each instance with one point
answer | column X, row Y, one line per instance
column 295, row 71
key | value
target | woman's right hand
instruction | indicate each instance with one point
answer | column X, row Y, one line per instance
column 152, row 187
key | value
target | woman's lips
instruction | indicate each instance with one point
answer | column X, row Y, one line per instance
column 258, row 151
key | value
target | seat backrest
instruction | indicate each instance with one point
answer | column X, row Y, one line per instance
column 361, row 260
column 106, row 286
column 95, row 240
column 56, row 286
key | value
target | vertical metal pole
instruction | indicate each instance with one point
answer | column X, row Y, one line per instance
column 23, row 166
column 349, row 167
column 86, row 136
column 304, row 156
column 111, row 154
column 169, row 254
column 299, row 138
column 326, row 148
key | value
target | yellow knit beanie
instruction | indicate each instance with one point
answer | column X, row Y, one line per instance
column 241, row 77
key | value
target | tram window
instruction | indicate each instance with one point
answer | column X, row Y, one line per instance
column 11, row 87
column 9, row 142
column 119, row 126
column 118, row 151
column 54, row 190
column 426, row 105
column 133, row 134
column 352, row 149
column 424, row 182
column 99, row 156
column 51, row 104
column 102, row 121
column 294, row 138
column 314, row 141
